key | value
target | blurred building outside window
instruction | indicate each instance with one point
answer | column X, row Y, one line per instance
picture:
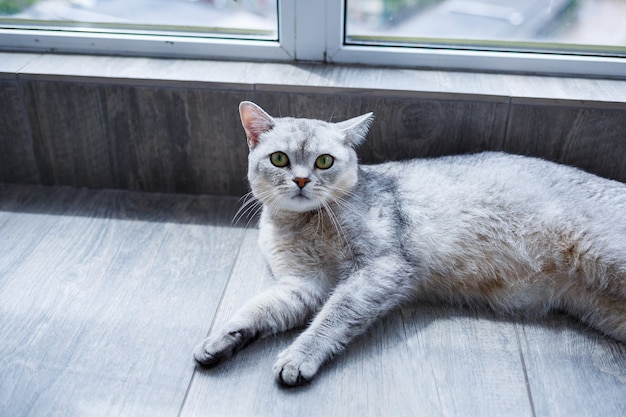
column 587, row 26
column 322, row 30
column 241, row 19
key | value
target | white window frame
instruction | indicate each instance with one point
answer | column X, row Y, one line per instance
column 157, row 45
column 457, row 59
column 311, row 30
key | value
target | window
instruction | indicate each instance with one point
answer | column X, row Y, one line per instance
column 583, row 37
column 580, row 26
column 208, row 18
column 174, row 28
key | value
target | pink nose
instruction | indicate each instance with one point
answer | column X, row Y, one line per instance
column 301, row 182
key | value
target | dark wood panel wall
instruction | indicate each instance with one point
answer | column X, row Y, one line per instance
column 188, row 139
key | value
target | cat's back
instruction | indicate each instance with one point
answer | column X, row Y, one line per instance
column 499, row 179
column 471, row 220
column 487, row 202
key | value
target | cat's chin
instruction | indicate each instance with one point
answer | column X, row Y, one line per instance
column 299, row 204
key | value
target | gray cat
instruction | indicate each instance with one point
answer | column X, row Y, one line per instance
column 348, row 243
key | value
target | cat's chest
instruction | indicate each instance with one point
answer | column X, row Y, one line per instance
column 312, row 245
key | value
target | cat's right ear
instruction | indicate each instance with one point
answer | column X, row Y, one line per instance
column 255, row 121
column 356, row 129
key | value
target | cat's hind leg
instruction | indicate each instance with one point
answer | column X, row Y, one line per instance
column 354, row 305
column 288, row 304
column 601, row 309
column 592, row 282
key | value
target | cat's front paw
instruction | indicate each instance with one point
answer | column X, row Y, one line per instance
column 217, row 348
column 293, row 367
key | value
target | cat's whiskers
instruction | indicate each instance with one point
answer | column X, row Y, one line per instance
column 344, row 204
column 320, row 221
column 254, row 215
column 341, row 201
column 273, row 203
column 336, row 224
column 248, row 202
column 250, row 207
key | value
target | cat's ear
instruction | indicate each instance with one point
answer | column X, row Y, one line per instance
column 356, row 129
column 255, row 121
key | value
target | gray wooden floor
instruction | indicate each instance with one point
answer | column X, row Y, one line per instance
column 103, row 295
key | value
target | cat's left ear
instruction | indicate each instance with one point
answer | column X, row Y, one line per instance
column 255, row 121
column 356, row 129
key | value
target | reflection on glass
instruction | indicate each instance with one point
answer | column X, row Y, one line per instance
column 592, row 26
column 249, row 19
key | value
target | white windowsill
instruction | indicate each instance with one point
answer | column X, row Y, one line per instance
column 258, row 76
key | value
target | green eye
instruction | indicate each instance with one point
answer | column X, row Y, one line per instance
column 324, row 161
column 279, row 159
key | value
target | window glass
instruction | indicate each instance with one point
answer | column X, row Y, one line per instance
column 240, row 19
column 580, row 26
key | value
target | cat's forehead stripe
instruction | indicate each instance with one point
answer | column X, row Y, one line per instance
column 303, row 132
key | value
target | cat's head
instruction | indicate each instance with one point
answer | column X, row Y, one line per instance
column 301, row 164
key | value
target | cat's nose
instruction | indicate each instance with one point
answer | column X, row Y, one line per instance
column 301, row 181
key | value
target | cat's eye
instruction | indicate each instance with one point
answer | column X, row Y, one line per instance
column 324, row 161
column 279, row 159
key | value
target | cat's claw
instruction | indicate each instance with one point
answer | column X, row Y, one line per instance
column 294, row 368
column 204, row 357
column 290, row 377
column 216, row 349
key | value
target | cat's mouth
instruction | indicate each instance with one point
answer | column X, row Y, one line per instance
column 300, row 198
column 300, row 201
column 300, row 195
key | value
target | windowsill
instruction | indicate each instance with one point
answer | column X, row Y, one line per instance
column 258, row 76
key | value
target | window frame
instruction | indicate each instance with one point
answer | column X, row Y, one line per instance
column 311, row 31
column 156, row 45
column 552, row 63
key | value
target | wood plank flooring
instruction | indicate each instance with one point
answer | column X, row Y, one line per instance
column 104, row 294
